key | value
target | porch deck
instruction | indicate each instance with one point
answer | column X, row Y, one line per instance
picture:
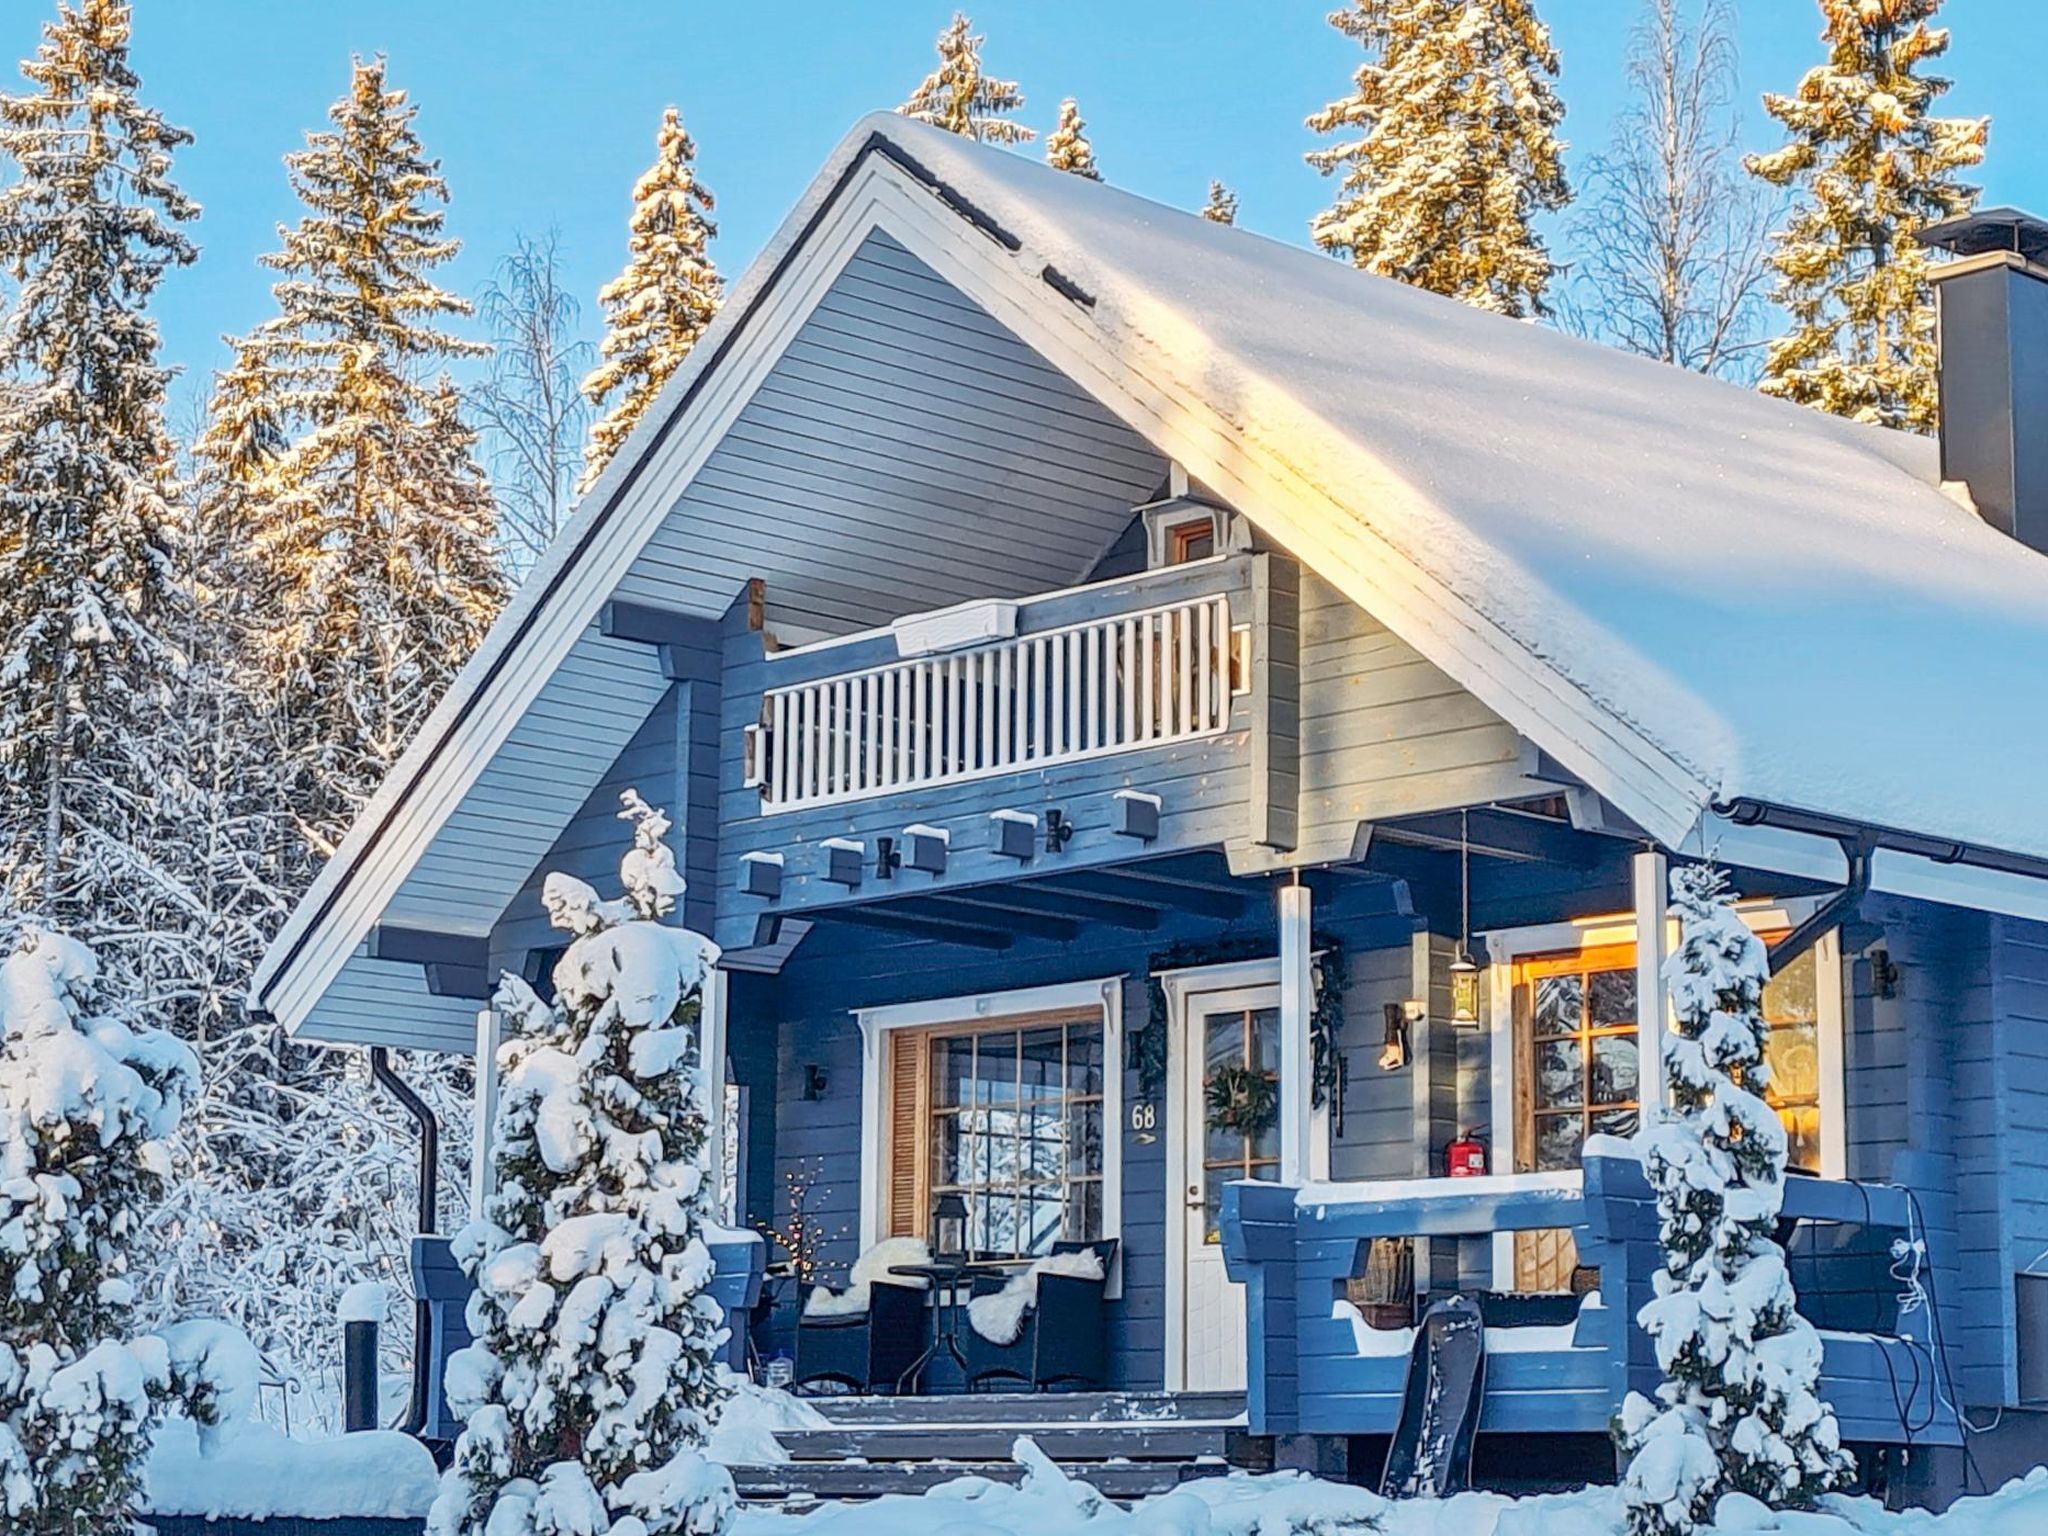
column 1127, row 1445
column 1316, row 1368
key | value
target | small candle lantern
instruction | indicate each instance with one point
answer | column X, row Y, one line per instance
column 1465, row 991
column 949, row 1230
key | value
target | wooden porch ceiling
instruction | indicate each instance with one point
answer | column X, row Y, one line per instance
column 1138, row 897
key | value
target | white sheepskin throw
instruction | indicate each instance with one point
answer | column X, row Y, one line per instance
column 1000, row 1318
column 867, row 1269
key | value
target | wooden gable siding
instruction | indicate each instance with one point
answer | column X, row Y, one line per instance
column 378, row 1002
column 906, row 452
column 1384, row 733
column 584, row 715
column 836, row 971
column 590, row 846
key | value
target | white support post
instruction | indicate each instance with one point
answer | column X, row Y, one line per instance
column 489, row 1034
column 711, row 1070
column 1297, row 1005
column 1651, row 880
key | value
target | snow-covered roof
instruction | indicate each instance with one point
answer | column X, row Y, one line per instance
column 1726, row 595
column 1683, row 591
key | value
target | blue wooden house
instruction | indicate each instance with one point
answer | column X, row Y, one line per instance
column 1183, row 743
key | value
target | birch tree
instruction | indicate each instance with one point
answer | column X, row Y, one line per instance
column 531, row 406
column 1672, row 236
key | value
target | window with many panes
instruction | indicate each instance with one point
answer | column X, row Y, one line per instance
column 1008, row 1116
column 1575, row 1022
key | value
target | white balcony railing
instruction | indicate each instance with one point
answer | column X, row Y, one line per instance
column 1086, row 690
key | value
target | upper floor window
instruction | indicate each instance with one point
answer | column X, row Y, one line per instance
column 1193, row 540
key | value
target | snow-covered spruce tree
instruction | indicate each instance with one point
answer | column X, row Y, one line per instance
column 1067, row 147
column 88, row 227
column 1222, row 205
column 1448, row 149
column 586, row 1391
column 661, row 303
column 375, row 577
column 1738, row 1410
column 1870, row 166
column 84, row 1106
column 959, row 98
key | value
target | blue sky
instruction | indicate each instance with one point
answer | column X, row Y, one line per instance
column 543, row 111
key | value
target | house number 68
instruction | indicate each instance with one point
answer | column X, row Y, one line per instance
column 1144, row 1117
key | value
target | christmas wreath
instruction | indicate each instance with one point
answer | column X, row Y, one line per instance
column 1242, row 1099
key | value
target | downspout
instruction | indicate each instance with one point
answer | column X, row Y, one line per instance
column 430, row 1168
column 1859, row 845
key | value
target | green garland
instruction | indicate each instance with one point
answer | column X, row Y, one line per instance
column 1242, row 1099
column 1147, row 1048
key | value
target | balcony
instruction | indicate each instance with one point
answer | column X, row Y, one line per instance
column 1043, row 690
column 1004, row 739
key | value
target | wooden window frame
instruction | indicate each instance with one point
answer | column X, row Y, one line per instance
column 1507, row 1076
column 913, row 1127
column 1102, row 997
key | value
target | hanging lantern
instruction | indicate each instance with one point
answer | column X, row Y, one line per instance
column 1464, row 972
column 1465, row 991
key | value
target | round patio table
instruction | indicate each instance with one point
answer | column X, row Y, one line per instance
column 944, row 1280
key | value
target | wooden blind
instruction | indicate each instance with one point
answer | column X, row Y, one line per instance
column 908, row 1109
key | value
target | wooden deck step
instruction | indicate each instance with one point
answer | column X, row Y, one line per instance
column 995, row 1442
column 1024, row 1408
column 798, row 1482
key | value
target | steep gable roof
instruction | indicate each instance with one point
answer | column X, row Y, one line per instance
column 1683, row 591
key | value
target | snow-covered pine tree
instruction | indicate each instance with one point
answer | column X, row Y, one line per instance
column 1067, row 147
column 366, row 605
column 1738, row 1410
column 1449, row 149
column 88, row 227
column 959, row 98
column 85, row 1105
column 661, row 303
column 1222, row 205
column 1871, row 166
column 586, row 1390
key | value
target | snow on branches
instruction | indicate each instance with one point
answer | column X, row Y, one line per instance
column 1870, row 166
column 1449, row 151
column 89, row 225
column 658, row 307
column 371, row 538
column 959, row 98
column 1067, row 147
column 1738, row 1411
column 587, row 1389
column 85, row 1106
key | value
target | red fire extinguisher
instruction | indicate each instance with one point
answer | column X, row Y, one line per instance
column 1465, row 1158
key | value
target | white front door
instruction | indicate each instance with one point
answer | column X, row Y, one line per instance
column 1228, row 1038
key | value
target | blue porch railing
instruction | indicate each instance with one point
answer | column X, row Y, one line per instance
column 1316, row 1367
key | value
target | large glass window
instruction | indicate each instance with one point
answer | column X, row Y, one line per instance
column 1577, row 1014
column 1581, row 1073
column 1016, row 1130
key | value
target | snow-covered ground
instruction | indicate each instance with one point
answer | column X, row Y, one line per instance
column 254, row 1472
column 1290, row 1504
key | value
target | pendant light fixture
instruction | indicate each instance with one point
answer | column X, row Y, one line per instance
column 1464, row 972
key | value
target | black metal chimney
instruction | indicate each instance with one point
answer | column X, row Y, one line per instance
column 1993, row 301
